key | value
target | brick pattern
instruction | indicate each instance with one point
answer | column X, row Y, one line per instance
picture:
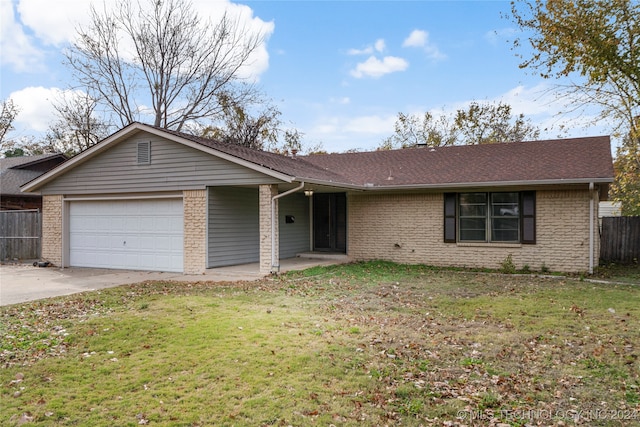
column 266, row 193
column 408, row 228
column 52, row 229
column 195, row 231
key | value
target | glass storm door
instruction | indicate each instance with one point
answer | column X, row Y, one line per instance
column 330, row 222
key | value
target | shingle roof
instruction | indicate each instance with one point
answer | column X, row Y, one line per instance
column 575, row 160
column 552, row 160
column 296, row 167
column 16, row 171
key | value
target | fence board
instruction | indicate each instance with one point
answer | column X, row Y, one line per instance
column 20, row 234
column 620, row 240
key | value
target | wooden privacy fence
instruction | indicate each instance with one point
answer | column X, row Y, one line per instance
column 20, row 234
column 620, row 240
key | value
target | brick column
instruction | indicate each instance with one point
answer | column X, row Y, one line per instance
column 266, row 193
column 52, row 229
column 195, row 231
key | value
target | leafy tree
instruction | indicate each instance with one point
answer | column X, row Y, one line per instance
column 77, row 127
column 478, row 124
column 411, row 130
column 598, row 43
column 8, row 113
column 26, row 146
column 14, row 152
column 177, row 63
column 262, row 130
column 626, row 188
column 238, row 126
column 492, row 123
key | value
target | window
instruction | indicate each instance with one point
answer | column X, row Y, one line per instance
column 505, row 217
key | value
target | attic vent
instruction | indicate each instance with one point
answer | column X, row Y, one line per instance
column 144, row 153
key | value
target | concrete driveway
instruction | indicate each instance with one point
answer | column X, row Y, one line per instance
column 24, row 282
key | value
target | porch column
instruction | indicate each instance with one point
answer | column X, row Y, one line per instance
column 52, row 229
column 195, row 231
column 266, row 193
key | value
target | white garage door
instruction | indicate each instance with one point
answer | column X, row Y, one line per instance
column 126, row 234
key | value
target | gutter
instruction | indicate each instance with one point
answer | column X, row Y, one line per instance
column 275, row 263
column 591, row 228
column 451, row 185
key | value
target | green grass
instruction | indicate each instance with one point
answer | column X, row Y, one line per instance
column 363, row 344
column 629, row 273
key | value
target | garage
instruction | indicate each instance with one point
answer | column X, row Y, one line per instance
column 127, row 234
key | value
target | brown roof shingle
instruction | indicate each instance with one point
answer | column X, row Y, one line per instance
column 576, row 159
column 558, row 160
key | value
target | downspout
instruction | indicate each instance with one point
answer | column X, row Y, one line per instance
column 591, row 215
column 275, row 264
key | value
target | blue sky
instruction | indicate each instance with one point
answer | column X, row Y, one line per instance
column 339, row 71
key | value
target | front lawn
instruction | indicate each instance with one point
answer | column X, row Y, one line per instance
column 361, row 344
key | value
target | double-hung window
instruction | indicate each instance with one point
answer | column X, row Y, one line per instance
column 499, row 217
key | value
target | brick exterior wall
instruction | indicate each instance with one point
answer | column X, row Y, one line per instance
column 408, row 228
column 266, row 192
column 52, row 229
column 195, row 231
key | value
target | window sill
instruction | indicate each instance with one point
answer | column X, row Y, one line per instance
column 488, row 245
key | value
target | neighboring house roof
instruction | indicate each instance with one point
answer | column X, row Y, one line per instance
column 16, row 171
column 562, row 161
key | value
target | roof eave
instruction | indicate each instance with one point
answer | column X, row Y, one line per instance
column 488, row 184
column 372, row 187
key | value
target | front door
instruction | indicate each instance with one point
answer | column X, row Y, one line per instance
column 330, row 222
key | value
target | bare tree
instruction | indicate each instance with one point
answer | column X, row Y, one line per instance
column 160, row 53
column 77, row 126
column 8, row 113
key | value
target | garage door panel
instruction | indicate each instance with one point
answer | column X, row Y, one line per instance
column 132, row 234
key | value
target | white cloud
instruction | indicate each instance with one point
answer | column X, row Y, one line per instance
column 18, row 49
column 376, row 125
column 420, row 39
column 36, row 109
column 374, row 67
column 56, row 25
column 366, row 51
column 341, row 133
column 378, row 46
column 417, row 38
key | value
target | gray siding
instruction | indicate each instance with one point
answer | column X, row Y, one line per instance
column 294, row 238
column 173, row 167
column 234, row 232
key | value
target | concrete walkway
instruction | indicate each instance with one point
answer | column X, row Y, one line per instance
column 24, row 282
